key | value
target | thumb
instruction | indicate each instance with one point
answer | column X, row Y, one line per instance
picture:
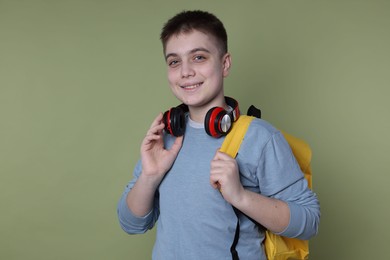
column 177, row 145
column 221, row 156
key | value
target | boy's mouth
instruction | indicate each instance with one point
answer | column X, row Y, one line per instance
column 193, row 86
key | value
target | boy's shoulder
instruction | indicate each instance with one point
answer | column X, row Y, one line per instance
column 262, row 127
column 259, row 134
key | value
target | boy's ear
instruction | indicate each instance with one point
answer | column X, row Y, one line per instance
column 226, row 63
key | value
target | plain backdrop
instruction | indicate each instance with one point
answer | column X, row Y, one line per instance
column 81, row 81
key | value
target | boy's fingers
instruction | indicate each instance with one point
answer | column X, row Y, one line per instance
column 157, row 120
column 177, row 144
column 221, row 156
column 156, row 129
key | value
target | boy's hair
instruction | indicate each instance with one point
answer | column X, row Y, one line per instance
column 187, row 21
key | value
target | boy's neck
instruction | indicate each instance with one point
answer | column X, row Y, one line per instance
column 198, row 114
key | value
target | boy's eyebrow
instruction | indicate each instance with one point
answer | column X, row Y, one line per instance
column 190, row 52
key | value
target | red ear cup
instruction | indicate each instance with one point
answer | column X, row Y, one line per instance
column 174, row 121
column 217, row 122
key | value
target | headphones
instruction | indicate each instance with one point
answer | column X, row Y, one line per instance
column 217, row 123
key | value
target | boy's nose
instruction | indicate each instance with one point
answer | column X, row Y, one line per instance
column 187, row 70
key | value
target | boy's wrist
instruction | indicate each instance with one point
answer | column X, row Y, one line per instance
column 239, row 199
column 150, row 180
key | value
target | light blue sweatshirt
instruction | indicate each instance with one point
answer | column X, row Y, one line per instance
column 195, row 222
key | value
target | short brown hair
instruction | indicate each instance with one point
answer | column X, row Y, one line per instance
column 186, row 21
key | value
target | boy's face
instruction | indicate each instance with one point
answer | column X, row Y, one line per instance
column 196, row 69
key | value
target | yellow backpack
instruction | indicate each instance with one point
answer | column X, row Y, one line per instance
column 276, row 247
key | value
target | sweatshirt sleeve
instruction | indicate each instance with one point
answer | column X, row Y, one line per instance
column 281, row 178
column 304, row 210
column 266, row 154
column 130, row 223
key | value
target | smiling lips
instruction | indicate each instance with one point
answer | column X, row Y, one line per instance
column 189, row 87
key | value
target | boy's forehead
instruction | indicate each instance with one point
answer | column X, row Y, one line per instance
column 193, row 38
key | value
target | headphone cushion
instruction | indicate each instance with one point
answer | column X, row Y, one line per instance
column 212, row 121
column 174, row 120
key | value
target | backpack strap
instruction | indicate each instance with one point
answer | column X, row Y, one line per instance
column 230, row 146
column 233, row 140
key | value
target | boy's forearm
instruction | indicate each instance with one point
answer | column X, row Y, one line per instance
column 271, row 213
column 140, row 198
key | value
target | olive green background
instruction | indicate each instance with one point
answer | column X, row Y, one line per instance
column 81, row 81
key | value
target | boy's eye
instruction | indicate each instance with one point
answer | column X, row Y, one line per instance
column 199, row 58
column 173, row 63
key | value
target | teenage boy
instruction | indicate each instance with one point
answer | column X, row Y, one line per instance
column 185, row 183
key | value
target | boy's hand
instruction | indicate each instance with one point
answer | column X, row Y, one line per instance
column 156, row 160
column 224, row 175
